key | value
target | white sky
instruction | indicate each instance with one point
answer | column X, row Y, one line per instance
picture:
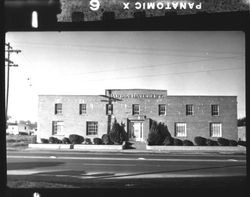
column 184, row 63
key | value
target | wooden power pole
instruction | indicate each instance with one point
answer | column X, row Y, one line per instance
column 9, row 64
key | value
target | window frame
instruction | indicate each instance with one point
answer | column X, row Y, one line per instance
column 95, row 126
column 188, row 111
column 165, row 110
column 211, row 129
column 176, row 131
column 57, row 110
column 213, row 111
column 82, row 110
column 55, row 127
column 133, row 109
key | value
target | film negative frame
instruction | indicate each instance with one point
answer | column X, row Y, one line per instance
column 48, row 21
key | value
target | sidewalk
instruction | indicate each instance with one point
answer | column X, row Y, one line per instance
column 241, row 151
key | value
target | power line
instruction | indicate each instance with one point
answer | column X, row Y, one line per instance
column 153, row 66
column 133, row 51
column 129, row 48
column 165, row 74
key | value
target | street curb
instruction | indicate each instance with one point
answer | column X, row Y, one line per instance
column 133, row 151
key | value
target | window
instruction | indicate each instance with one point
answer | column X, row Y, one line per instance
column 92, row 128
column 189, row 110
column 109, row 109
column 82, row 108
column 136, row 109
column 215, row 130
column 162, row 110
column 215, row 110
column 57, row 127
column 58, row 108
column 180, row 129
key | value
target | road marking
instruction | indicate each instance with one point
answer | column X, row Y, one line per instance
column 232, row 160
column 124, row 159
column 52, row 157
column 28, row 171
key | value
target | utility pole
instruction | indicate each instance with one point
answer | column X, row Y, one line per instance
column 109, row 108
column 9, row 50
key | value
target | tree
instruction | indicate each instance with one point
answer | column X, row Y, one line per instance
column 242, row 122
column 118, row 133
column 157, row 133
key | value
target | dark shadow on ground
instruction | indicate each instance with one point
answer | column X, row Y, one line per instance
column 31, row 165
column 171, row 171
column 235, row 182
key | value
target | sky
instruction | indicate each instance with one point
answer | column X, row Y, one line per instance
column 87, row 63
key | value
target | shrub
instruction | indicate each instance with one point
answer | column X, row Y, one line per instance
column 65, row 140
column 117, row 134
column 200, row 141
column 223, row 141
column 210, row 142
column 54, row 140
column 87, row 141
column 168, row 141
column 242, row 143
column 106, row 139
column 233, row 143
column 97, row 141
column 76, row 139
column 177, row 142
column 187, row 143
column 157, row 134
column 44, row 141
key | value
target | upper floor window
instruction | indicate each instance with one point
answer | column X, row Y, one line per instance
column 58, row 108
column 215, row 130
column 57, row 127
column 162, row 110
column 92, row 128
column 136, row 109
column 109, row 109
column 180, row 129
column 82, row 108
column 189, row 110
column 215, row 110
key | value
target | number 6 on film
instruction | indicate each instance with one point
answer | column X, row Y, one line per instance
column 94, row 5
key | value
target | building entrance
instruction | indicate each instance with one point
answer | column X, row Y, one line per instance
column 136, row 130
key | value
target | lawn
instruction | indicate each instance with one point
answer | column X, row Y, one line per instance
column 17, row 142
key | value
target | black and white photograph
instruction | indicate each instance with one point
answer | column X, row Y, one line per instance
column 125, row 109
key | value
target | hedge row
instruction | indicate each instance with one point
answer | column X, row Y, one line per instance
column 200, row 141
column 77, row 139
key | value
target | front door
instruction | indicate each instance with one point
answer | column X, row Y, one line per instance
column 136, row 130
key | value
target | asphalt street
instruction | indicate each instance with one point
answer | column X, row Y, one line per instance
column 128, row 170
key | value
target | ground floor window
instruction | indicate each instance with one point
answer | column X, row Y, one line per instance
column 57, row 127
column 92, row 128
column 180, row 129
column 215, row 130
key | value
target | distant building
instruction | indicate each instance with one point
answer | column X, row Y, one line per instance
column 12, row 129
column 185, row 116
column 24, row 128
column 242, row 133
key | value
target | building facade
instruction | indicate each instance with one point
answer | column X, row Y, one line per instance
column 185, row 116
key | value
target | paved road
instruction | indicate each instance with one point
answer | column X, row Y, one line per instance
column 138, row 170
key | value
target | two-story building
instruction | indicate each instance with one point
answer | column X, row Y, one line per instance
column 185, row 116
